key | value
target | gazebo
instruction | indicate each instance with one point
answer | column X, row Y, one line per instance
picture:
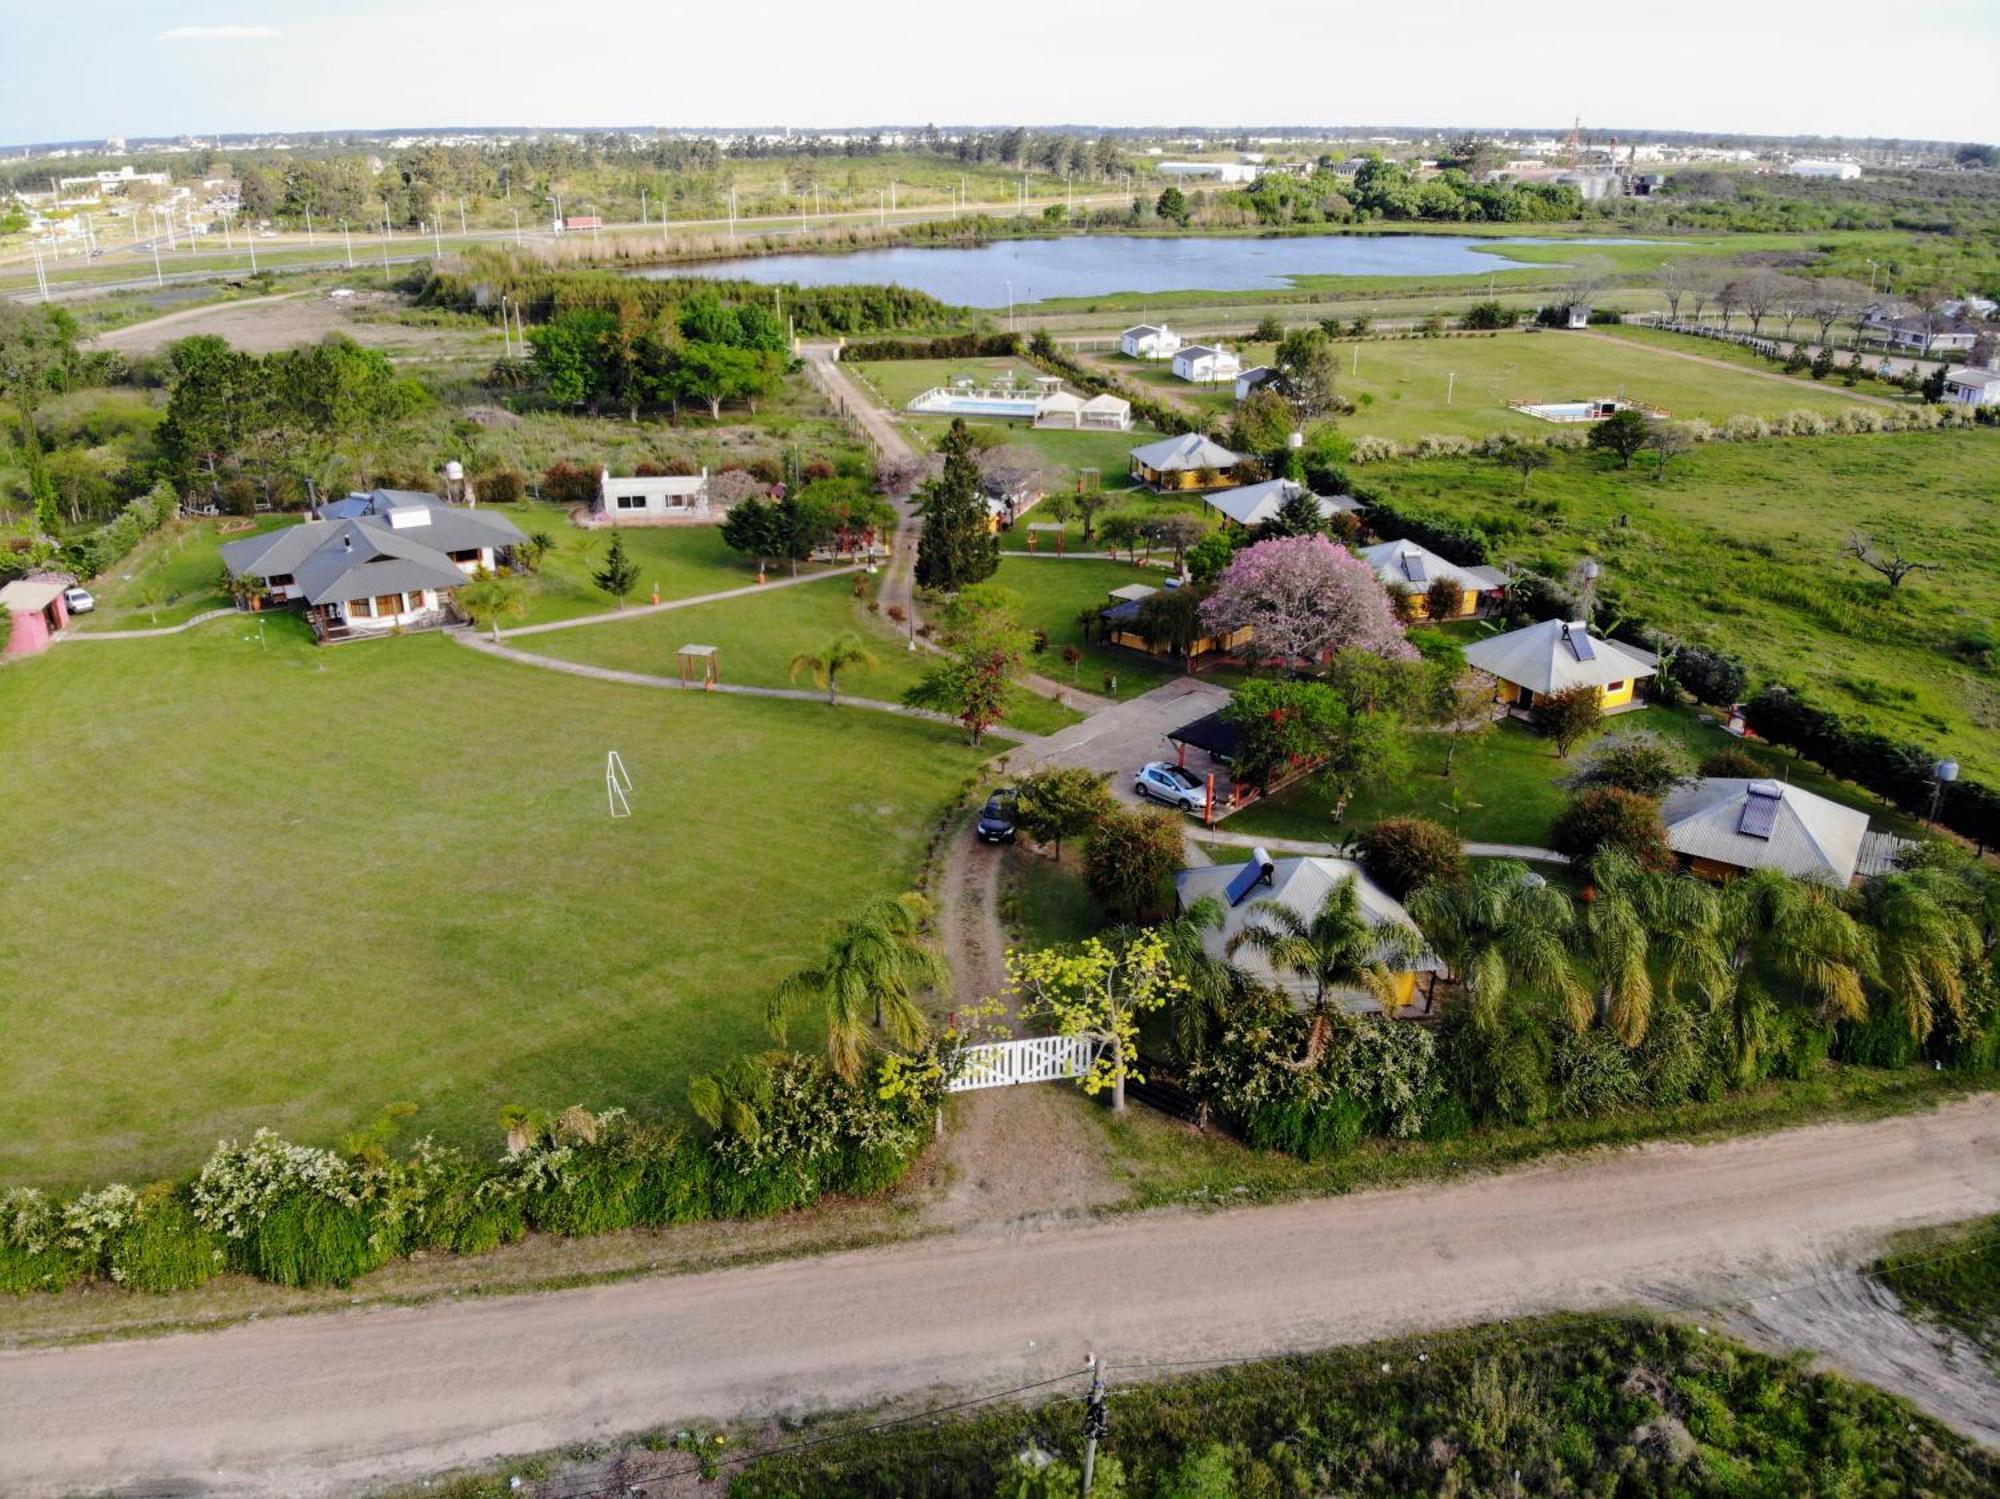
column 698, row 667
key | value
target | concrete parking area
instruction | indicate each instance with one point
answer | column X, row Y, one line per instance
column 1123, row 738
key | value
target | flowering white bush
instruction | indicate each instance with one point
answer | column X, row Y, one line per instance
column 1745, row 429
column 28, row 1220
column 1443, row 445
column 92, row 1221
column 1698, row 431
column 1373, row 449
column 239, row 1184
column 1803, row 423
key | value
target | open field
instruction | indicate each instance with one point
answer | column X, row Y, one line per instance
column 757, row 639
column 1505, row 785
column 370, row 318
column 1740, row 547
column 170, row 576
column 1056, row 592
column 299, row 885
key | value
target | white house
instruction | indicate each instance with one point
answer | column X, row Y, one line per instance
column 1149, row 341
column 1970, row 385
column 1253, row 379
column 1723, row 825
column 651, row 499
column 1839, row 171
column 1206, row 365
column 1927, row 337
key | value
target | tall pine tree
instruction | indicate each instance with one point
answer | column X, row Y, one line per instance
column 958, row 547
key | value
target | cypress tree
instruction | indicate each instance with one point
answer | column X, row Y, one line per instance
column 957, row 547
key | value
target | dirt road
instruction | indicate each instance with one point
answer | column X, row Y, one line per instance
column 328, row 1404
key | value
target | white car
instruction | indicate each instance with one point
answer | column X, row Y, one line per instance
column 78, row 600
column 1164, row 781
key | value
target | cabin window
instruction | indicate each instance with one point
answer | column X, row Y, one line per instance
column 388, row 604
column 631, row 502
column 358, row 609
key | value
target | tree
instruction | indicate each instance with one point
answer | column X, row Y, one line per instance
column 958, row 545
column 1646, row 923
column 620, row 574
column 1622, row 434
column 843, row 653
column 1893, row 565
column 751, row 528
column 1172, row 205
column 1636, row 760
column 1062, row 801
column 1207, row 558
column 1462, row 708
column 1263, row 422
column 1761, row 292
column 1098, row 988
column 1568, row 716
column 1523, row 457
column 1129, row 857
column 1403, row 854
column 488, row 599
column 1799, row 934
column 1605, row 817
column 1171, row 619
column 879, row 960
column 1928, row 942
column 1669, row 440
column 972, row 684
column 1444, row 598
column 1500, row 929
column 1831, row 300
column 1331, row 951
column 37, row 359
column 1305, row 598
column 1308, row 366
column 1174, row 533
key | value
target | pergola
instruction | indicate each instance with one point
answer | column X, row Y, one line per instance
column 698, row 667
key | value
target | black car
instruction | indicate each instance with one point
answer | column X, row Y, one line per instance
column 996, row 819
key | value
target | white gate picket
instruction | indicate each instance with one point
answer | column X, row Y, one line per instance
column 1038, row 1059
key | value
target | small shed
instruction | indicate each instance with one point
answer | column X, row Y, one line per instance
column 38, row 610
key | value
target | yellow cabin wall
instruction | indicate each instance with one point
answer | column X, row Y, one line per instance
column 1617, row 695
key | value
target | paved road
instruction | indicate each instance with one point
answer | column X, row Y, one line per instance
column 327, row 1404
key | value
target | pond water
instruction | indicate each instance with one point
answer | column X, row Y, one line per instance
column 1097, row 265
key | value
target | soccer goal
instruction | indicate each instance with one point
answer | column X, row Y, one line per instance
column 617, row 785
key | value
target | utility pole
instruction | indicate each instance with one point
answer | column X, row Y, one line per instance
column 517, row 226
column 1096, row 1424
column 461, row 216
column 347, row 235
column 158, row 279
column 309, row 226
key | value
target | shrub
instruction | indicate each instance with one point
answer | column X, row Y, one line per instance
column 306, row 1238
column 566, row 484
column 1403, row 854
column 1708, row 675
column 1370, row 448
column 1568, row 716
column 1633, row 760
column 1606, row 817
column 1731, row 763
column 504, row 486
column 1593, row 1075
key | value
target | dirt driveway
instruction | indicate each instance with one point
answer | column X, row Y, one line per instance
column 1125, row 737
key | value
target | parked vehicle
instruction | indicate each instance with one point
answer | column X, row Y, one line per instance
column 78, row 600
column 996, row 819
column 1164, row 781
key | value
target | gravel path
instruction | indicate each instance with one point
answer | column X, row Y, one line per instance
column 1472, row 850
column 317, row 1405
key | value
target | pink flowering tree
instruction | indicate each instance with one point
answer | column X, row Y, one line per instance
column 1306, row 598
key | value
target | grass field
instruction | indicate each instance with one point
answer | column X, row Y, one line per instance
column 298, row 885
column 1950, row 1275
column 171, row 576
column 1056, row 592
column 1504, row 785
column 1740, row 547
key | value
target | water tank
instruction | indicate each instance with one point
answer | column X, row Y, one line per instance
column 1295, row 441
column 454, row 471
column 1947, row 771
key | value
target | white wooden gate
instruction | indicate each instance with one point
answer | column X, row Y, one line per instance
column 1039, row 1059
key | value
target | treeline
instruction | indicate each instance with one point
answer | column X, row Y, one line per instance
column 1381, row 189
column 703, row 349
column 543, row 293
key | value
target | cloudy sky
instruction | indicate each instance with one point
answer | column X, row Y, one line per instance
column 90, row 68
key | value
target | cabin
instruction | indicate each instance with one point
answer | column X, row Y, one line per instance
column 1971, row 385
column 652, row 500
column 1149, row 341
column 1118, row 624
column 38, row 611
column 1557, row 655
column 1302, row 885
column 1251, row 505
column 1253, row 380
column 1187, row 462
column 374, row 563
column 1724, row 825
column 1204, row 364
column 1410, row 571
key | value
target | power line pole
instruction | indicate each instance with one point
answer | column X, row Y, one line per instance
column 1096, row 1423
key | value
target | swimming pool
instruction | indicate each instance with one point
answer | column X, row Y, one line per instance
column 951, row 405
column 1572, row 411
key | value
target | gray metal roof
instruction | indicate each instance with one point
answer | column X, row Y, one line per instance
column 1253, row 504
column 1303, row 885
column 321, row 554
column 1189, row 450
column 1558, row 654
column 359, row 559
column 1395, row 561
column 1809, row 836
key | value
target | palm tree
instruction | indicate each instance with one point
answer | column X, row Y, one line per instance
column 877, row 961
column 1926, row 939
column 842, row 653
column 1501, row 926
column 1199, row 1005
column 1645, row 920
column 1334, row 949
column 1798, row 931
column 489, row 598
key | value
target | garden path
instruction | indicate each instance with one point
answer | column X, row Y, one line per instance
column 1471, row 850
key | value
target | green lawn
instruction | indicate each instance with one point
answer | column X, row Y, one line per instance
column 757, row 639
column 1504, row 785
column 169, row 577
column 1158, row 375
column 1740, row 547
column 680, row 561
column 899, row 381
column 1728, row 353
column 297, row 885
column 1056, row 591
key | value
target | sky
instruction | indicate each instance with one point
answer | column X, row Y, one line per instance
column 85, row 69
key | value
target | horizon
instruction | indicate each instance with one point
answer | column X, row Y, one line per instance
column 203, row 68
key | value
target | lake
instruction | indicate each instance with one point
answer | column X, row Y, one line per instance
column 1097, row 265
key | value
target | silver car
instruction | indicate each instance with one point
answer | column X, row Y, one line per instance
column 1164, row 781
